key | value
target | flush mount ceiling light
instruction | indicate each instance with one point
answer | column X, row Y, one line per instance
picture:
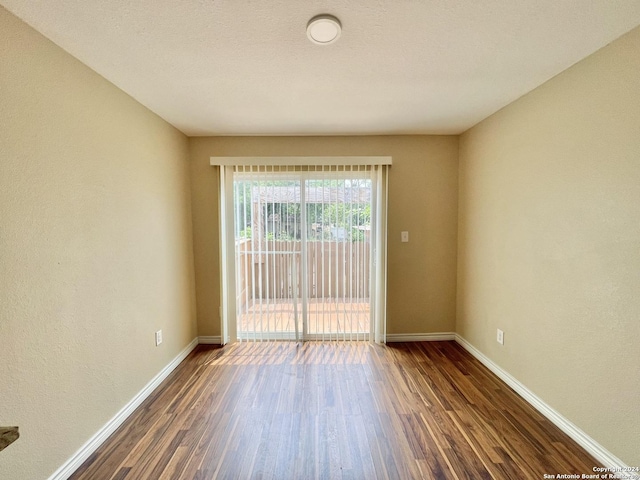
column 324, row 29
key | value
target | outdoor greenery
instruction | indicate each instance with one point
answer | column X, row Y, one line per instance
column 325, row 221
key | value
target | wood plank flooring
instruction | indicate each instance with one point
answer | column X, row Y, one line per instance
column 347, row 410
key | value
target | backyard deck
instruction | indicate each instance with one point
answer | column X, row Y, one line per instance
column 327, row 319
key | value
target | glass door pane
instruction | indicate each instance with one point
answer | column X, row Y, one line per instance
column 338, row 255
column 303, row 255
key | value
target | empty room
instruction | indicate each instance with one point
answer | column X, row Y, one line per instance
column 319, row 240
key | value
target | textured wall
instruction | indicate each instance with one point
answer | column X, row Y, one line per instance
column 95, row 250
column 422, row 200
column 549, row 243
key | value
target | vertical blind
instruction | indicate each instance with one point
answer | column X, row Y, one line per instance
column 303, row 248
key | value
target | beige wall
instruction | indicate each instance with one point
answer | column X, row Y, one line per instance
column 422, row 200
column 549, row 243
column 95, row 250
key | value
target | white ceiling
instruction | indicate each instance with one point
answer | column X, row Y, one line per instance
column 243, row 67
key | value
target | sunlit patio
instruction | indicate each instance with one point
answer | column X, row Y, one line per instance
column 327, row 319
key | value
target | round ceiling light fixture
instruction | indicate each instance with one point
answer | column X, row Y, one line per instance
column 324, row 29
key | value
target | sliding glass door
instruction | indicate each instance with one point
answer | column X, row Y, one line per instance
column 303, row 252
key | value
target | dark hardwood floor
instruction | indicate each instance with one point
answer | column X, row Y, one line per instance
column 334, row 410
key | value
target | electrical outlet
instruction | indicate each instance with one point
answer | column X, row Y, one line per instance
column 158, row 337
column 500, row 337
column 404, row 237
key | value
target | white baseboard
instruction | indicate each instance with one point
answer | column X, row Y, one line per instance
column 420, row 337
column 581, row 438
column 210, row 340
column 101, row 435
column 393, row 337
